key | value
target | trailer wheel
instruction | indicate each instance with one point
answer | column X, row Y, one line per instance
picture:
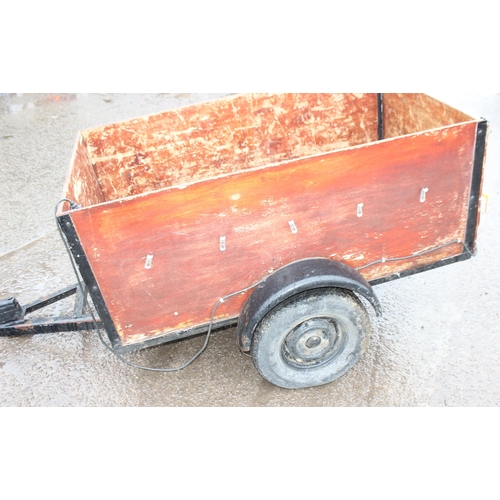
column 310, row 339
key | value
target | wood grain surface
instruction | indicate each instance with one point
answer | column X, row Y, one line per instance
column 81, row 183
column 181, row 227
column 225, row 136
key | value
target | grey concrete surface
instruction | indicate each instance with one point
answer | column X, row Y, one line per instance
column 438, row 343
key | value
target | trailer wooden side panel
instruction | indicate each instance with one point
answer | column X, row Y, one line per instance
column 82, row 183
column 225, row 136
column 273, row 216
column 411, row 113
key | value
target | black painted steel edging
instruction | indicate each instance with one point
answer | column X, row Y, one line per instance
column 35, row 326
column 380, row 125
column 410, row 272
column 472, row 217
column 106, row 321
column 50, row 299
column 97, row 298
column 176, row 335
column 476, row 184
column 68, row 228
column 48, row 325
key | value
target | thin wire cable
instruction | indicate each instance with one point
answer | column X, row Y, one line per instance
column 99, row 334
column 417, row 254
column 218, row 303
column 197, row 355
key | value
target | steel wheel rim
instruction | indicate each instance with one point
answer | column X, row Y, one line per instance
column 314, row 342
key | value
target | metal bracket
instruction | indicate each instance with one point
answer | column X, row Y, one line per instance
column 149, row 262
column 222, row 244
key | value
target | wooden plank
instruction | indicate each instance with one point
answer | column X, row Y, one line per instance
column 81, row 183
column 411, row 113
column 181, row 227
column 226, row 136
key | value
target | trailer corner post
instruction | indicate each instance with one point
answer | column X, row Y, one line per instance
column 380, row 102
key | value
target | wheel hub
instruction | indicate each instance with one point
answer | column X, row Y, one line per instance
column 313, row 342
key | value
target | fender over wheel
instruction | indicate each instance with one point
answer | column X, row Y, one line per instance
column 310, row 339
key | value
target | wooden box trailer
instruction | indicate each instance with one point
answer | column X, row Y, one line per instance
column 271, row 211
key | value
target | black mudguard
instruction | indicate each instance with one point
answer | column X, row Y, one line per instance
column 295, row 278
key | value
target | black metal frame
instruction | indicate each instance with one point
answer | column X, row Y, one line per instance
column 476, row 184
column 468, row 252
column 472, row 218
column 106, row 322
column 177, row 335
column 77, row 322
column 380, row 125
column 80, row 322
column 75, row 246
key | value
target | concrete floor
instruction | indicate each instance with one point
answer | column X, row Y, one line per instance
column 438, row 343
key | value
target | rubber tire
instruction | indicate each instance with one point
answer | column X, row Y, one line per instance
column 340, row 305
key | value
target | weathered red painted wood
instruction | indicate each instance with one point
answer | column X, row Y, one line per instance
column 81, row 183
column 411, row 113
column 226, row 136
column 181, row 227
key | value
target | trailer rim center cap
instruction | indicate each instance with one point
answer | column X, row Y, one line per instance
column 313, row 342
